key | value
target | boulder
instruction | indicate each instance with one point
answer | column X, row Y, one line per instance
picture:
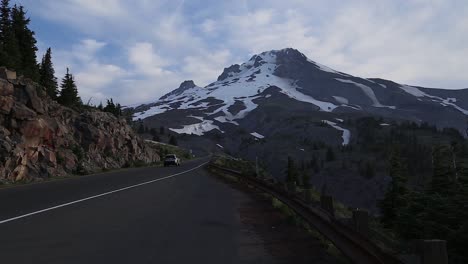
column 22, row 112
column 34, row 100
column 6, row 88
column 6, row 104
column 7, row 74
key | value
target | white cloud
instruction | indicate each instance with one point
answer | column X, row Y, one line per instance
column 209, row 26
column 146, row 61
column 203, row 68
column 138, row 50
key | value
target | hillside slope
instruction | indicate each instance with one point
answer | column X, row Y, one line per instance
column 40, row 139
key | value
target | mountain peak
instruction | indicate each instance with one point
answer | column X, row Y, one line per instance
column 229, row 71
column 187, row 85
column 184, row 86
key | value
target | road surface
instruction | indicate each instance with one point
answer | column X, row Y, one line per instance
column 144, row 215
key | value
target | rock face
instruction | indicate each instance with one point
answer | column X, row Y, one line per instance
column 187, row 85
column 40, row 139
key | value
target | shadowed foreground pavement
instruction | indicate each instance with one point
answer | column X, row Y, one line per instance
column 190, row 218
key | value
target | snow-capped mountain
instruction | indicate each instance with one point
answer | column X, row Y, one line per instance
column 240, row 89
column 280, row 103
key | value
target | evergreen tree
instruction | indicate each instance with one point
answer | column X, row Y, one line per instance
column 443, row 177
column 156, row 138
column 4, row 19
column 4, row 26
column 69, row 92
column 306, row 180
column 118, row 110
column 47, row 75
column 26, row 43
column 395, row 196
column 153, row 132
column 111, row 107
column 162, row 130
column 291, row 171
column 173, row 141
column 100, row 106
column 330, row 155
column 141, row 128
column 9, row 48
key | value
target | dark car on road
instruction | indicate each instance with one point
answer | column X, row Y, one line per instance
column 171, row 159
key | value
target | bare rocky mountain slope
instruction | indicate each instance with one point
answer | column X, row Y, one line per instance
column 40, row 139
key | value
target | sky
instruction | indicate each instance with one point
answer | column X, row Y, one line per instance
column 135, row 51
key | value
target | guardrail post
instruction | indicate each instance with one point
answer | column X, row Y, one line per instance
column 432, row 251
column 361, row 221
column 326, row 202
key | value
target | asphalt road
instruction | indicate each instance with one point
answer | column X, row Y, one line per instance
column 176, row 220
column 145, row 215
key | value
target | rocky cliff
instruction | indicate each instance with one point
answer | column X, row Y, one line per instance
column 40, row 139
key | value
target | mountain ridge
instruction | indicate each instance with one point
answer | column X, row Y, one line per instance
column 281, row 104
column 304, row 80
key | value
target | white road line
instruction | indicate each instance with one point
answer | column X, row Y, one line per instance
column 99, row 195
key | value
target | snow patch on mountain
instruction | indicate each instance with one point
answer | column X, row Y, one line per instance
column 224, row 119
column 341, row 100
column 325, row 68
column 346, row 132
column 244, row 84
column 368, row 91
column 197, row 117
column 156, row 110
column 197, row 129
column 444, row 102
column 257, row 135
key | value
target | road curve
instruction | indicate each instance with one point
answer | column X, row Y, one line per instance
column 144, row 215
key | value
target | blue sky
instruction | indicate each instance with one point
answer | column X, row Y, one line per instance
column 136, row 51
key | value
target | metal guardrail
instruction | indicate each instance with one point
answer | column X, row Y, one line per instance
column 351, row 243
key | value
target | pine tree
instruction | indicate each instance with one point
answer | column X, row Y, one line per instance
column 173, row 141
column 443, row 177
column 9, row 48
column 4, row 21
column 162, row 130
column 26, row 42
column 47, row 75
column 69, row 92
column 112, row 108
column 156, row 138
column 141, row 129
column 153, row 132
column 330, row 155
column 395, row 196
column 291, row 171
column 306, row 180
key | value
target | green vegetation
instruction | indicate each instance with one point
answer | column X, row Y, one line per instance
column 434, row 208
column 18, row 52
column 47, row 75
column 111, row 107
column 17, row 41
column 173, row 140
column 69, row 92
column 164, row 149
column 291, row 172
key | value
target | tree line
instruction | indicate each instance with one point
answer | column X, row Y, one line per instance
column 18, row 52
